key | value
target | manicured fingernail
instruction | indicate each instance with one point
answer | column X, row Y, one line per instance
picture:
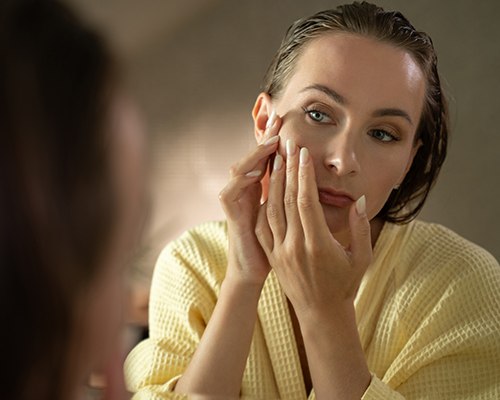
column 272, row 140
column 271, row 119
column 278, row 162
column 361, row 205
column 253, row 174
column 304, row 155
column 290, row 147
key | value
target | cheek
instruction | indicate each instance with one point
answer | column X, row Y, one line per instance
column 381, row 181
column 294, row 127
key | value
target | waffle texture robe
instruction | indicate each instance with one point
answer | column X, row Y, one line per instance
column 428, row 315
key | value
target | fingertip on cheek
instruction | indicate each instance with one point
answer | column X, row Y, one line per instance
column 291, row 147
column 361, row 206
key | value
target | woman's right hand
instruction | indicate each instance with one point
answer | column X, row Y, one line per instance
column 240, row 200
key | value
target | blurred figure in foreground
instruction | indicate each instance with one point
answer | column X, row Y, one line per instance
column 71, row 169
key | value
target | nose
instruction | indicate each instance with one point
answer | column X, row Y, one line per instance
column 341, row 155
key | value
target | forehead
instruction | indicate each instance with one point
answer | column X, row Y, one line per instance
column 366, row 71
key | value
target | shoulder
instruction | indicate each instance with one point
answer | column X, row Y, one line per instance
column 199, row 252
column 439, row 263
column 206, row 237
column 441, row 246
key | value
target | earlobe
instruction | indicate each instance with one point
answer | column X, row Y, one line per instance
column 261, row 113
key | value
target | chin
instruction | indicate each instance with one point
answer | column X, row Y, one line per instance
column 337, row 219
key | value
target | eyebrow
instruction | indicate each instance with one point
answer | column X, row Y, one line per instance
column 338, row 98
column 393, row 112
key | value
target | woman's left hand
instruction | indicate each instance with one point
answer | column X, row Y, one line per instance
column 315, row 271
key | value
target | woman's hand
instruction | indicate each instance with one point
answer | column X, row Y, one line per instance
column 240, row 200
column 317, row 274
column 216, row 368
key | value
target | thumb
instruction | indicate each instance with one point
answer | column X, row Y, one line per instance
column 361, row 243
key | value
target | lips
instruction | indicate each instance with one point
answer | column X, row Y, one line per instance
column 335, row 198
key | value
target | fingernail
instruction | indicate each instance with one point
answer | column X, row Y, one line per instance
column 253, row 174
column 272, row 140
column 290, row 147
column 361, row 205
column 304, row 155
column 271, row 119
column 278, row 162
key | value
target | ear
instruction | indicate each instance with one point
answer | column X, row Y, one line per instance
column 261, row 112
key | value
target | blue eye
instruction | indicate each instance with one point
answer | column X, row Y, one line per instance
column 382, row 135
column 317, row 116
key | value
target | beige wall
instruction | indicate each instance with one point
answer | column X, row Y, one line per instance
column 196, row 69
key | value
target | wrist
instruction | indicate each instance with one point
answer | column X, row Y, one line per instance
column 238, row 284
column 247, row 273
column 334, row 317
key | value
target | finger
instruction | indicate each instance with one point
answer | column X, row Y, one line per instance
column 235, row 190
column 256, row 160
column 311, row 213
column 263, row 231
column 270, row 124
column 291, row 190
column 275, row 211
column 361, row 244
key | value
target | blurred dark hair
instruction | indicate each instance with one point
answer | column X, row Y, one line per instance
column 57, row 201
column 391, row 27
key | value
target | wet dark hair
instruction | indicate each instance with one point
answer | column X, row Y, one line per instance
column 57, row 199
column 405, row 202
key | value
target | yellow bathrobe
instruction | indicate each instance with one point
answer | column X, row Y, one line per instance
column 428, row 315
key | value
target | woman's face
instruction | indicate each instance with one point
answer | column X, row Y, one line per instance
column 355, row 103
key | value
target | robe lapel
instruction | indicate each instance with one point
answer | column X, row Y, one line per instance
column 370, row 298
column 278, row 332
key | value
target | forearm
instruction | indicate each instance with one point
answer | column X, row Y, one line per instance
column 219, row 362
column 336, row 360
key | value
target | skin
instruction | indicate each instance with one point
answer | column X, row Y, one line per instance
column 347, row 124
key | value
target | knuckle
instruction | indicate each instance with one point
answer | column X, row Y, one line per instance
column 259, row 232
column 233, row 170
column 223, row 195
column 305, row 202
column 290, row 200
column 303, row 174
column 272, row 211
column 291, row 167
column 226, row 197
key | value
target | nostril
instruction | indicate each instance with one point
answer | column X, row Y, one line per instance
column 334, row 164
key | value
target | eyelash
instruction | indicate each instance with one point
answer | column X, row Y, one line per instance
column 392, row 137
column 310, row 111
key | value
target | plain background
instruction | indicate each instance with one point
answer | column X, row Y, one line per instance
column 195, row 68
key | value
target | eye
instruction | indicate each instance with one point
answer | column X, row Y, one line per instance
column 317, row 116
column 382, row 135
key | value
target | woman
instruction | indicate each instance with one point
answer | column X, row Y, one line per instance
column 70, row 198
column 329, row 288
